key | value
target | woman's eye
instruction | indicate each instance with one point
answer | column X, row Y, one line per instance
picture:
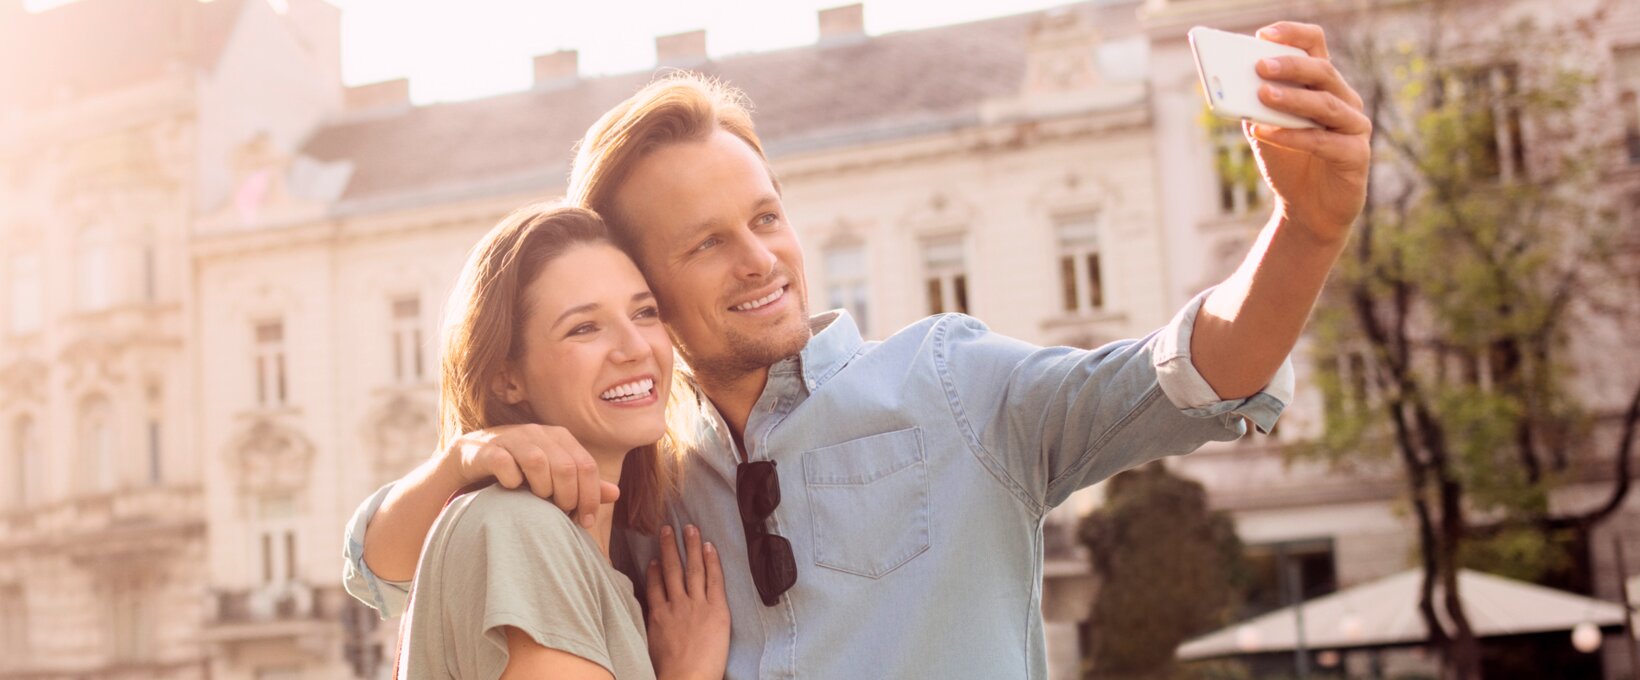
column 583, row 329
column 647, row 313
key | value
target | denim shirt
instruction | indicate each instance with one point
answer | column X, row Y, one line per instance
column 915, row 474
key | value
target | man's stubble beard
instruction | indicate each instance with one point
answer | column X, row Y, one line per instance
column 748, row 354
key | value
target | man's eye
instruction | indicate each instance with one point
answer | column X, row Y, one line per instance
column 768, row 219
column 708, row 243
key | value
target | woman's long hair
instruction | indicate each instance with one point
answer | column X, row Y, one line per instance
column 484, row 334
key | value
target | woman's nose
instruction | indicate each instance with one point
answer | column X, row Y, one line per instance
column 629, row 344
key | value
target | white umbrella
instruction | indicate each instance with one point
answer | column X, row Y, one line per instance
column 1385, row 612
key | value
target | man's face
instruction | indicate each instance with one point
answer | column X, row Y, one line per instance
column 723, row 261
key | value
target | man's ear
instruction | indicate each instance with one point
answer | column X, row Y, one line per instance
column 507, row 386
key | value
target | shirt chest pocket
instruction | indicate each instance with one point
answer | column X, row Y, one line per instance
column 868, row 499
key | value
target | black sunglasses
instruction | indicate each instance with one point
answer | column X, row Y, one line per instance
column 774, row 568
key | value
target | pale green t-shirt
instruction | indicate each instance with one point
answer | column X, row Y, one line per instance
column 498, row 557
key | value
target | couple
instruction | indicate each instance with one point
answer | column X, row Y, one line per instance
column 820, row 506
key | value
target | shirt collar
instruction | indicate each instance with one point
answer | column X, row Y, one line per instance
column 834, row 339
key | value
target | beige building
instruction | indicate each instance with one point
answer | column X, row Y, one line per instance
column 221, row 298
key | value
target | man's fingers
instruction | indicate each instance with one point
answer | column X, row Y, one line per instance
column 657, row 592
column 671, row 566
column 1307, row 37
column 1325, row 108
column 694, row 565
column 1318, row 74
column 714, row 576
column 1329, row 146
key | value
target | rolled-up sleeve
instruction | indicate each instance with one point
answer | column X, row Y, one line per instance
column 388, row 598
column 1188, row 390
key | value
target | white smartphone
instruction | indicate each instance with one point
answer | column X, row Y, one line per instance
column 1225, row 63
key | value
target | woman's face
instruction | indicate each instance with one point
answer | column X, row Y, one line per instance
column 596, row 359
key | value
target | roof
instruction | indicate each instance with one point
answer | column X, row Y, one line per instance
column 1385, row 613
column 89, row 47
column 879, row 87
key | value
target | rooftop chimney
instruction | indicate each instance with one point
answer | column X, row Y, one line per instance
column 680, row 49
column 382, row 95
column 842, row 23
column 559, row 68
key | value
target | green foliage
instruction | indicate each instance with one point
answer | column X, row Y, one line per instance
column 1168, row 569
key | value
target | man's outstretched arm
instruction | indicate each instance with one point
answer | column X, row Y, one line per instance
column 1249, row 323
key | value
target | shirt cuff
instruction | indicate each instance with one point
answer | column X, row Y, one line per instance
column 388, row 598
column 1189, row 391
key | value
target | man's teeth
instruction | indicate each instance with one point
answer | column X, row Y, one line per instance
column 771, row 297
column 631, row 391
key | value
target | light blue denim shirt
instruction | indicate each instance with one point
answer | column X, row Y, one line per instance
column 915, row 473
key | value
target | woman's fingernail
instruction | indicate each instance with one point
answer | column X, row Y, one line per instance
column 1272, row 66
column 710, row 549
column 666, row 530
column 588, row 520
column 1275, row 92
column 690, row 531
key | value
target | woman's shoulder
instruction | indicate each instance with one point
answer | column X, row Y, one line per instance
column 496, row 517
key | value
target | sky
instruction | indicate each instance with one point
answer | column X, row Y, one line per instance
column 474, row 48
column 453, row 50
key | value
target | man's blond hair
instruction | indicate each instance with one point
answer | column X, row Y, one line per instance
column 682, row 107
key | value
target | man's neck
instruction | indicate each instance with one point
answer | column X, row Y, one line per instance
column 734, row 396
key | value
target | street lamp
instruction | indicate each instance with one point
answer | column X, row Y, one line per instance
column 1586, row 637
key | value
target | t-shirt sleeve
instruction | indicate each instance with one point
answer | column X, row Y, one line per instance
column 512, row 560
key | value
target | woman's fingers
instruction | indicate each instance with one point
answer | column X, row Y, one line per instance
column 587, row 481
column 1325, row 108
column 657, row 591
column 694, row 572
column 714, row 576
column 671, row 566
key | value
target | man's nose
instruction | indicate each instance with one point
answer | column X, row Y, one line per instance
column 753, row 258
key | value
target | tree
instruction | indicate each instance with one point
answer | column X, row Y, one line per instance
column 1168, row 568
column 1486, row 257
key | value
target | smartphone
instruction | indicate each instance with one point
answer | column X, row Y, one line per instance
column 1225, row 63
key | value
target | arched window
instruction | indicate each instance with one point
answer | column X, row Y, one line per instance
column 97, row 462
column 27, row 293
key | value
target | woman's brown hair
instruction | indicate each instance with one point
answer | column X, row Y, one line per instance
column 484, row 333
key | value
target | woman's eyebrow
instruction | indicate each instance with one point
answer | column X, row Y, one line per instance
column 588, row 307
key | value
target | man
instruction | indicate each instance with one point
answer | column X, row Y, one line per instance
column 879, row 506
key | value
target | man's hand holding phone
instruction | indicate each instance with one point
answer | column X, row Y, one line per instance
column 1319, row 175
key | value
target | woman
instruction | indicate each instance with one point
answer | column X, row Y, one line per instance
column 551, row 324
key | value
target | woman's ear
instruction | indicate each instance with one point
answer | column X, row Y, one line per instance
column 507, row 386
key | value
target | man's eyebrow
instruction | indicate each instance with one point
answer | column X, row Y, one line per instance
column 639, row 296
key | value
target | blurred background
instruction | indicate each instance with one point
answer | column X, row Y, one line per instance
column 227, row 230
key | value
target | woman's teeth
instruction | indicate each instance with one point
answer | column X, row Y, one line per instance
column 631, row 391
column 771, row 297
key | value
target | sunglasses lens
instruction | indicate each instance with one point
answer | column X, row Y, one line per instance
column 774, row 568
column 758, row 489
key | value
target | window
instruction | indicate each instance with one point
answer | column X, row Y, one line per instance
column 1495, row 144
column 26, row 464
column 97, row 463
column 1081, row 279
column 1630, row 103
column 276, row 515
column 128, row 618
column 846, row 282
column 407, row 344
column 93, row 280
column 27, row 293
column 155, row 452
column 1277, row 572
column 13, row 627
column 270, row 363
column 945, row 275
column 1241, row 188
